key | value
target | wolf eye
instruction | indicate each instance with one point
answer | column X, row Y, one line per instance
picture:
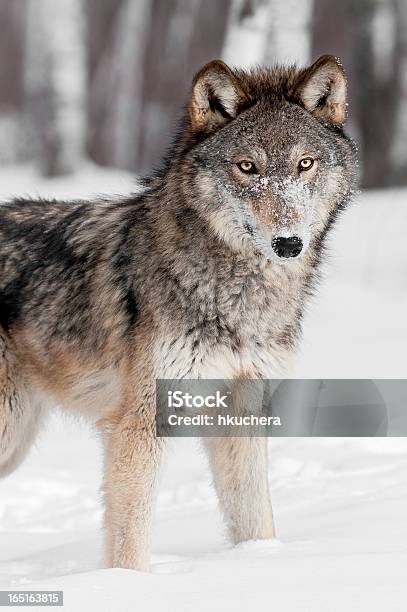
column 247, row 167
column 306, row 164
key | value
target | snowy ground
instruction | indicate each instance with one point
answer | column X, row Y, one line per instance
column 340, row 504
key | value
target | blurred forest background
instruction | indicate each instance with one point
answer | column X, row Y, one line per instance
column 106, row 79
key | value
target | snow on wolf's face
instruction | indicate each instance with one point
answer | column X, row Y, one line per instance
column 277, row 174
column 273, row 177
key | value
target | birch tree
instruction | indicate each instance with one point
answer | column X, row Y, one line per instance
column 268, row 32
column 247, row 33
column 117, row 85
column 289, row 32
column 55, row 82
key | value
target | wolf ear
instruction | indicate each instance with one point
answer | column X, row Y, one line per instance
column 217, row 97
column 321, row 89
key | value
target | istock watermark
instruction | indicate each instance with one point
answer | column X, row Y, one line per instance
column 179, row 399
column 211, row 408
column 292, row 407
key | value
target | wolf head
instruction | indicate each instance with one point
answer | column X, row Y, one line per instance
column 266, row 154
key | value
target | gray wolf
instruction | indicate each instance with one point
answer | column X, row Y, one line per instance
column 203, row 274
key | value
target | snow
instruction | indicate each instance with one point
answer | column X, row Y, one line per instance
column 339, row 503
column 355, row 327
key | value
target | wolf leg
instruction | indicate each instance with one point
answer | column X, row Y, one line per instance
column 239, row 467
column 20, row 416
column 132, row 459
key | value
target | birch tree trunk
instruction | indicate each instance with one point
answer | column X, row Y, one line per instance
column 125, row 116
column 55, row 82
column 289, row 38
column 101, row 20
column 117, row 86
column 268, row 32
column 247, row 33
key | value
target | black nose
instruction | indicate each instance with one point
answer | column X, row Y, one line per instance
column 287, row 247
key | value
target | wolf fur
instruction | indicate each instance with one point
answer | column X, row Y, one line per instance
column 100, row 298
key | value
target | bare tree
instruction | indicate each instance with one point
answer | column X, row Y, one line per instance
column 117, row 84
column 398, row 152
column 289, row 36
column 55, row 82
column 268, row 31
column 247, row 33
column 376, row 73
column 13, row 143
column 101, row 19
column 132, row 28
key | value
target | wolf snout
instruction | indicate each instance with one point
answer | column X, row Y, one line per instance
column 286, row 247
